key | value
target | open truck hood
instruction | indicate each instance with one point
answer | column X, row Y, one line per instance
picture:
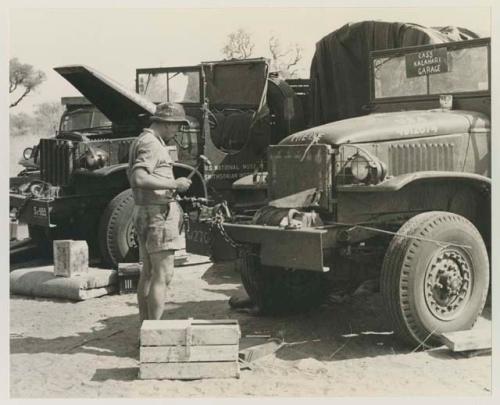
column 236, row 82
column 120, row 105
column 392, row 126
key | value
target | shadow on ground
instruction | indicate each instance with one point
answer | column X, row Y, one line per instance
column 114, row 336
column 354, row 329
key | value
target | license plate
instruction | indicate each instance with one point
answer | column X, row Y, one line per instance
column 40, row 212
column 198, row 238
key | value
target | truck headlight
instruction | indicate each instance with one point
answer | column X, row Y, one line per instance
column 27, row 153
column 366, row 168
column 95, row 159
column 360, row 168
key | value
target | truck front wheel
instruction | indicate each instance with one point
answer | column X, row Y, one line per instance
column 278, row 290
column 117, row 240
column 435, row 277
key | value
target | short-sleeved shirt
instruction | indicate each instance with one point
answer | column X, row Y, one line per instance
column 149, row 152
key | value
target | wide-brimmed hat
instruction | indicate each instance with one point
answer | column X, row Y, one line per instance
column 169, row 112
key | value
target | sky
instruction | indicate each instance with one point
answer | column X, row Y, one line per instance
column 116, row 41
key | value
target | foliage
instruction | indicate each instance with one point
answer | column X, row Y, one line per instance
column 239, row 45
column 43, row 122
column 23, row 78
column 284, row 60
column 47, row 117
column 21, row 124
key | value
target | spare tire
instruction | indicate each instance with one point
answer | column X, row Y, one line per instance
column 286, row 107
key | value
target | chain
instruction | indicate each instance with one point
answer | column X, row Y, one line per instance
column 217, row 223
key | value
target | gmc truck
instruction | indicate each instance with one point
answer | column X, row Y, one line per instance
column 402, row 193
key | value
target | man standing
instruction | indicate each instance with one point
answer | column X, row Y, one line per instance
column 157, row 214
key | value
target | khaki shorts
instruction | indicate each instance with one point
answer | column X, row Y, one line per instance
column 157, row 227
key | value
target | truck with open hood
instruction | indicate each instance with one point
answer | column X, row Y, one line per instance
column 235, row 110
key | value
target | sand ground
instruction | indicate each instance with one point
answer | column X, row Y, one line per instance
column 88, row 349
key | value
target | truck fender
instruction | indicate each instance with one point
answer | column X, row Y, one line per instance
column 398, row 182
column 455, row 197
column 180, row 170
column 106, row 171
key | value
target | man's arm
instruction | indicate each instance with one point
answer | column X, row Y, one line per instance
column 141, row 178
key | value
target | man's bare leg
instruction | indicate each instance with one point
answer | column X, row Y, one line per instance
column 162, row 271
column 144, row 286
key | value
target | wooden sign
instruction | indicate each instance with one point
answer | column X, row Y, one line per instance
column 429, row 62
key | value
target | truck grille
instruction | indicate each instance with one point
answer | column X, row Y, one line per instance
column 297, row 168
column 56, row 161
column 407, row 158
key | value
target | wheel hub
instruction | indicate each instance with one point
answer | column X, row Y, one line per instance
column 131, row 236
column 448, row 283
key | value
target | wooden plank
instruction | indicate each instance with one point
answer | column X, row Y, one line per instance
column 474, row 339
column 173, row 332
column 165, row 354
column 474, row 353
column 258, row 351
column 189, row 371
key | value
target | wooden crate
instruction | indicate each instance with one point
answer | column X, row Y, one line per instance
column 189, row 349
column 128, row 277
column 71, row 257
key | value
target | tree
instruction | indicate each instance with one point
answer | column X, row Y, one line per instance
column 21, row 124
column 284, row 61
column 47, row 117
column 23, row 78
column 239, row 45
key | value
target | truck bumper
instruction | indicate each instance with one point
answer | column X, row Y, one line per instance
column 32, row 211
column 52, row 212
column 303, row 249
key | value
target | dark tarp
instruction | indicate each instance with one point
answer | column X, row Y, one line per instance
column 340, row 66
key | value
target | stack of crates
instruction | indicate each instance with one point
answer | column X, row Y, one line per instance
column 189, row 349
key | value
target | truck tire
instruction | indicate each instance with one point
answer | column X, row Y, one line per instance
column 276, row 290
column 116, row 234
column 430, row 288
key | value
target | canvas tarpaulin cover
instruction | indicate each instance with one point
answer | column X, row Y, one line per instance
column 41, row 282
column 340, row 67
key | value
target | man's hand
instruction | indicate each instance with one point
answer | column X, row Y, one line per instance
column 182, row 184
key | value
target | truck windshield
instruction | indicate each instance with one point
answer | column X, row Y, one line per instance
column 83, row 119
column 435, row 71
column 178, row 87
